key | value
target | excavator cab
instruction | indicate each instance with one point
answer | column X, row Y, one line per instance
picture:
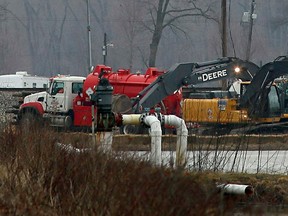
column 282, row 85
column 268, row 105
column 262, row 103
column 267, row 90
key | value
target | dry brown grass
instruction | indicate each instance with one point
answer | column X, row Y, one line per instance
column 39, row 178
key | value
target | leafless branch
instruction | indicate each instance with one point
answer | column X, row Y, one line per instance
column 4, row 9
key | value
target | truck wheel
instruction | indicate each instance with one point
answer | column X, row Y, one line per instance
column 133, row 129
column 128, row 129
column 29, row 119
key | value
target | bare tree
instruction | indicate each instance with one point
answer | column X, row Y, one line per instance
column 8, row 50
column 279, row 27
column 128, row 29
column 3, row 12
column 45, row 39
column 45, row 31
column 166, row 13
column 55, row 38
column 3, row 45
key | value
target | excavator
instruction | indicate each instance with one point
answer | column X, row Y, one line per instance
column 265, row 98
column 184, row 74
column 253, row 101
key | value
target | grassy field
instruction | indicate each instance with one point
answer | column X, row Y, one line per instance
column 39, row 178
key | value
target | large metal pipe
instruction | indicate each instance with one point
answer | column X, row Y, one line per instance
column 131, row 119
column 236, row 189
column 155, row 133
column 156, row 139
column 182, row 135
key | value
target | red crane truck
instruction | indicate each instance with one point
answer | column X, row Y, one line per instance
column 67, row 102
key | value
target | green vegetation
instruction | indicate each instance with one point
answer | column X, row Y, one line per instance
column 39, row 178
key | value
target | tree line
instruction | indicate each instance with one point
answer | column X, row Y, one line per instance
column 47, row 37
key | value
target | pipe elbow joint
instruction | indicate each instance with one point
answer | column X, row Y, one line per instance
column 158, row 116
column 142, row 118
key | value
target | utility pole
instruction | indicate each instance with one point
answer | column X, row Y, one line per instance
column 89, row 37
column 251, row 17
column 224, row 35
column 224, row 27
column 104, row 49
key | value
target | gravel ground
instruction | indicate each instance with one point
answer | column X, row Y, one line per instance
column 7, row 101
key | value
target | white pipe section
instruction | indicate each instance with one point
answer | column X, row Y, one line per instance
column 182, row 135
column 236, row 189
column 105, row 140
column 132, row 119
column 155, row 133
column 156, row 139
column 69, row 148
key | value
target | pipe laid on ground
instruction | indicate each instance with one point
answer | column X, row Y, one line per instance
column 236, row 189
column 104, row 139
column 71, row 149
column 182, row 136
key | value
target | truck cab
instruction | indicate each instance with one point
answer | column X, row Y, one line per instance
column 61, row 93
column 55, row 104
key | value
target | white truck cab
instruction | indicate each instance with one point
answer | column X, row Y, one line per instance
column 61, row 93
column 55, row 104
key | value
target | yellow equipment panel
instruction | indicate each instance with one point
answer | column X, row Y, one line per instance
column 213, row 111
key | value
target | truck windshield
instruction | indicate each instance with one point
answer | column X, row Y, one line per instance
column 57, row 87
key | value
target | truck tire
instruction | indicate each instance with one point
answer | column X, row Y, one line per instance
column 133, row 129
column 30, row 119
